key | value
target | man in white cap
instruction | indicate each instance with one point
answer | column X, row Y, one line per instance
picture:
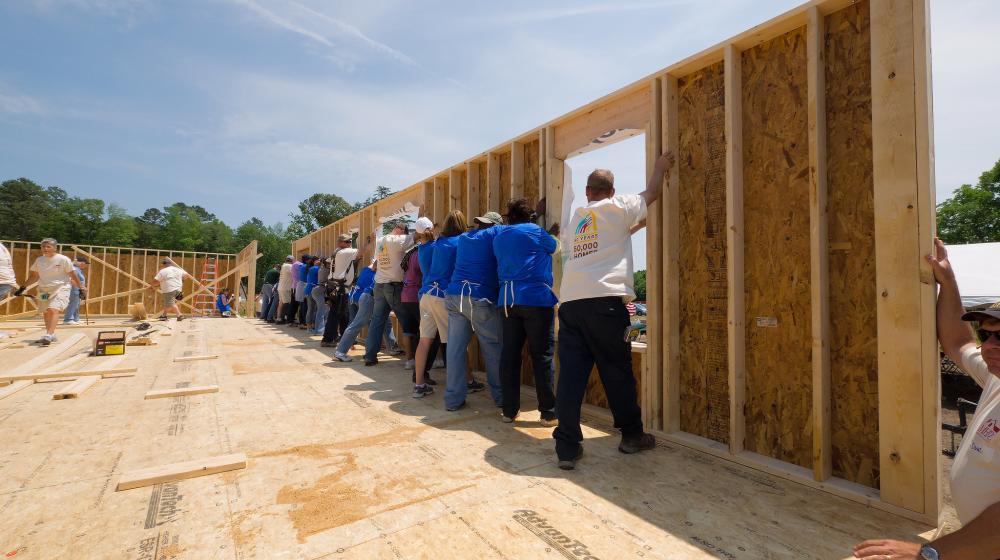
column 975, row 474
column 55, row 280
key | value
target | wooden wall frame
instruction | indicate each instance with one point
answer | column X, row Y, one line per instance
column 892, row 37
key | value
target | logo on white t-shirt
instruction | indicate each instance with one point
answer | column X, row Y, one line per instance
column 585, row 235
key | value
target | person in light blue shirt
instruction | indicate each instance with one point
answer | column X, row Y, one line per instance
column 312, row 278
column 523, row 252
column 362, row 306
column 471, row 302
column 72, row 314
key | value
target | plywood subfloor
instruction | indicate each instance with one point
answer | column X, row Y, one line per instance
column 343, row 463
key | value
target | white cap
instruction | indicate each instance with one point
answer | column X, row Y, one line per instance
column 423, row 224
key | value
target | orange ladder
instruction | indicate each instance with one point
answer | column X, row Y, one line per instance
column 204, row 304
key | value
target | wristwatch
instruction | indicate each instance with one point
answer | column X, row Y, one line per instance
column 927, row 552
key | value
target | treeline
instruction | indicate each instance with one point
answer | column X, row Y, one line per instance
column 30, row 212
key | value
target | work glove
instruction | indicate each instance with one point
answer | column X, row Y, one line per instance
column 19, row 291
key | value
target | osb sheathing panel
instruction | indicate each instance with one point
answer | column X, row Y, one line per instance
column 484, row 195
column 778, row 407
column 531, row 172
column 853, row 336
column 504, row 160
column 344, row 464
column 704, row 369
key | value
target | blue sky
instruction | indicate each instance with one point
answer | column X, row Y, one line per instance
column 248, row 106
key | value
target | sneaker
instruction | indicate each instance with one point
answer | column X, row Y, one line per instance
column 456, row 407
column 410, row 364
column 328, row 344
column 570, row 464
column 438, row 364
column 475, row 386
column 429, row 381
column 371, row 362
column 421, row 391
column 46, row 339
column 342, row 357
column 162, row 317
column 397, row 352
column 550, row 420
column 180, row 318
column 635, row 444
column 507, row 419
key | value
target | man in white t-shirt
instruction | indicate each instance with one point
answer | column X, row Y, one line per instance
column 55, row 280
column 593, row 322
column 343, row 270
column 388, row 291
column 170, row 280
column 8, row 281
column 975, row 474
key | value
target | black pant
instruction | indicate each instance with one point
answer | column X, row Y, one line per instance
column 336, row 319
column 593, row 330
column 291, row 309
column 535, row 324
column 304, row 309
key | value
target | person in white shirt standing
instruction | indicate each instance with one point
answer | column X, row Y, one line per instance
column 343, row 270
column 170, row 280
column 593, row 321
column 8, row 281
column 286, row 284
column 975, row 474
column 388, row 287
column 55, row 280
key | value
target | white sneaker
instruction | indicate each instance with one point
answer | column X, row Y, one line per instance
column 342, row 357
column 438, row 364
column 410, row 364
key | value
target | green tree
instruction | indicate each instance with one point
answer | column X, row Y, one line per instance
column 24, row 207
column 639, row 278
column 972, row 214
column 380, row 193
column 272, row 241
column 317, row 211
column 118, row 230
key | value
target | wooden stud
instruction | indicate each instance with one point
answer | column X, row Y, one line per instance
column 440, row 197
column 819, row 277
column 902, row 297
column 734, row 238
column 652, row 386
column 76, row 388
column 554, row 172
column 14, row 387
column 195, row 358
column 516, row 170
column 180, row 471
column 181, row 392
column 456, row 189
column 670, row 307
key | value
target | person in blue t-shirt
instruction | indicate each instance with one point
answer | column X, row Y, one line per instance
column 312, row 278
column 362, row 305
column 523, row 252
column 471, row 302
column 223, row 303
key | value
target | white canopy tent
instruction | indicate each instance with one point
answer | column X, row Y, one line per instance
column 977, row 267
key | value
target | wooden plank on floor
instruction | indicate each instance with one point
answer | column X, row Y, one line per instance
column 102, row 372
column 49, row 354
column 181, row 392
column 195, row 358
column 14, row 387
column 77, row 388
column 180, row 471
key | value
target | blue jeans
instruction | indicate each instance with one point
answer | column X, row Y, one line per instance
column 72, row 312
column 5, row 289
column 272, row 308
column 464, row 318
column 266, row 291
column 362, row 316
column 387, row 298
column 319, row 301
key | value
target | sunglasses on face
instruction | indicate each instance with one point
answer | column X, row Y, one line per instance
column 985, row 335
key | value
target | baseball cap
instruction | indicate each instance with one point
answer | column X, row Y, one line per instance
column 289, row 258
column 992, row 312
column 344, row 237
column 423, row 224
column 489, row 218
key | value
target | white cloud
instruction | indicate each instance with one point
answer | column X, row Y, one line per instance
column 21, row 105
column 550, row 14
column 321, row 28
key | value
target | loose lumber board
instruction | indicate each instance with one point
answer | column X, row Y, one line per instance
column 14, row 387
column 702, row 268
column 181, row 392
column 76, row 388
column 49, row 354
column 853, row 336
column 180, row 471
column 779, row 397
column 104, row 372
column 195, row 358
